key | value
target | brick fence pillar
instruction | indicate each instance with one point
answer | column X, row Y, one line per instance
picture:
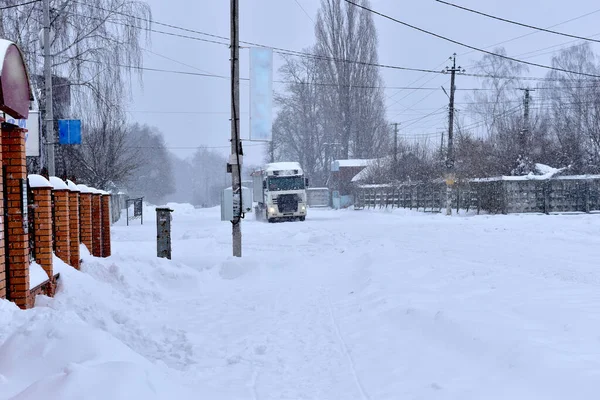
column 96, row 223
column 15, row 181
column 3, row 270
column 106, row 216
column 62, row 237
column 85, row 216
column 41, row 190
column 74, row 223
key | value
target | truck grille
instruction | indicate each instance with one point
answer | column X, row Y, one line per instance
column 286, row 203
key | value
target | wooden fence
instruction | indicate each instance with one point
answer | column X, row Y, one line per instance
column 494, row 195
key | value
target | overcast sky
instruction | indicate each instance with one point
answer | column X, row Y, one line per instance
column 192, row 111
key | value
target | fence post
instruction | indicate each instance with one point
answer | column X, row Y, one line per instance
column 587, row 196
column 85, row 216
column 41, row 191
column 62, row 237
column 106, row 218
column 15, row 222
column 74, row 231
column 546, row 191
column 96, row 223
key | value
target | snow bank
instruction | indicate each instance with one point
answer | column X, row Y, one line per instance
column 348, row 305
column 37, row 275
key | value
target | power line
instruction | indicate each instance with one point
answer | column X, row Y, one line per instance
column 469, row 46
column 517, row 23
column 294, row 53
column 305, row 12
column 533, row 33
column 19, row 5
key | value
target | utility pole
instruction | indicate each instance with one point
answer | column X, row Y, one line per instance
column 49, row 114
column 236, row 145
column 450, row 174
column 525, row 129
column 395, row 150
column 272, row 151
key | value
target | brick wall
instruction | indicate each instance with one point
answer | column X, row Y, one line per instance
column 14, row 164
column 85, row 219
column 74, row 227
column 96, row 225
column 62, row 238
column 42, row 200
column 106, row 217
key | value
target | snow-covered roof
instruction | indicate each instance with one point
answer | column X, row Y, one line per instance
column 357, row 163
column 283, row 166
column 361, row 176
column 84, row 188
column 72, row 187
column 38, row 181
column 58, row 184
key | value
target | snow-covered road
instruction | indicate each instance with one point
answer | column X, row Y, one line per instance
column 347, row 305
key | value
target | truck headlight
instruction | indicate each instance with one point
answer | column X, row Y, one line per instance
column 303, row 207
column 271, row 210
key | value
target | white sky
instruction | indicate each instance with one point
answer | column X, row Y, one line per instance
column 203, row 103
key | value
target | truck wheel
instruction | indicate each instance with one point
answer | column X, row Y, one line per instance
column 302, row 218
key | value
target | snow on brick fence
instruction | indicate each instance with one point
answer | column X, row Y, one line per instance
column 494, row 195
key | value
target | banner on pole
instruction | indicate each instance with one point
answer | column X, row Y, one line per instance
column 261, row 94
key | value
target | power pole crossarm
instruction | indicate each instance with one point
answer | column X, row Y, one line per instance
column 49, row 114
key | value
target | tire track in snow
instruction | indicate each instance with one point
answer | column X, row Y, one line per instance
column 344, row 346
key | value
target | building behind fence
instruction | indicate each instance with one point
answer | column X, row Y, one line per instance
column 493, row 195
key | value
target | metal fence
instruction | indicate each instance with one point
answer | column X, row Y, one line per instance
column 494, row 195
column 117, row 203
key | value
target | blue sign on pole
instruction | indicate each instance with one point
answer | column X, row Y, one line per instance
column 69, row 131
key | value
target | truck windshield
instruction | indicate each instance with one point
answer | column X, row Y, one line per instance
column 286, row 183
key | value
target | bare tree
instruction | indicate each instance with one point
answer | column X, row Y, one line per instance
column 354, row 100
column 96, row 48
column 153, row 178
column 298, row 128
column 573, row 103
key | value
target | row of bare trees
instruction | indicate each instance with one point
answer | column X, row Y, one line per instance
column 493, row 138
column 333, row 108
column 97, row 48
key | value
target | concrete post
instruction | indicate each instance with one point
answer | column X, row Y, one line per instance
column 163, row 232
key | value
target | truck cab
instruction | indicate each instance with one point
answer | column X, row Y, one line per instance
column 280, row 191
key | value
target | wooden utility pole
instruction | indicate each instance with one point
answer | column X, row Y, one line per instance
column 450, row 173
column 236, row 145
column 525, row 129
column 49, row 112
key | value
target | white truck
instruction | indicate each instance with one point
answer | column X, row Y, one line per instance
column 280, row 191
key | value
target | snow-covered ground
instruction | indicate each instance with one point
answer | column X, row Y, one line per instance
column 347, row 305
